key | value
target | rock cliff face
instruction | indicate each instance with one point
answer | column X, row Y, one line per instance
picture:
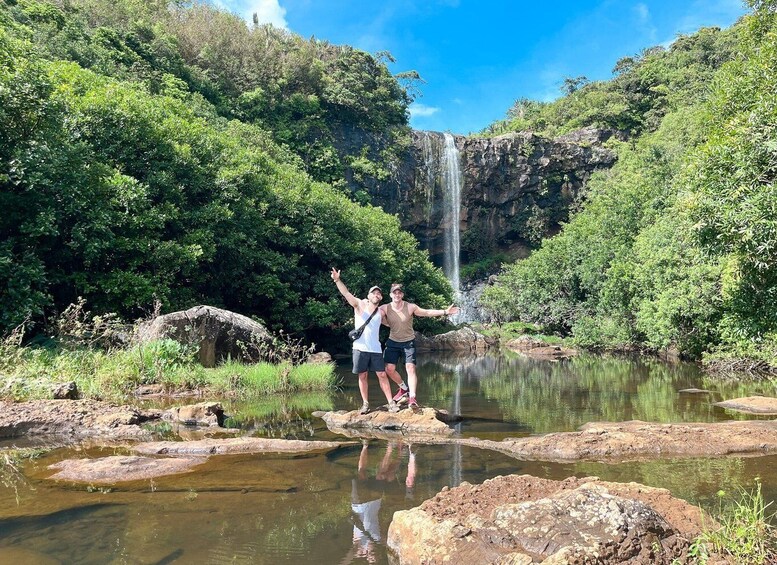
column 516, row 188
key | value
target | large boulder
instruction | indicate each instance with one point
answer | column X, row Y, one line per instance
column 524, row 519
column 464, row 339
column 200, row 414
column 538, row 349
column 218, row 333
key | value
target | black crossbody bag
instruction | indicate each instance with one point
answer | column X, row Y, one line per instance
column 357, row 332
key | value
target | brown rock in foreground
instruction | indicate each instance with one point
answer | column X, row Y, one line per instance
column 524, row 519
column 765, row 405
column 423, row 421
column 634, row 440
column 118, row 468
column 234, row 445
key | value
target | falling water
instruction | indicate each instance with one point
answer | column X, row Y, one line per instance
column 429, row 166
column 451, row 177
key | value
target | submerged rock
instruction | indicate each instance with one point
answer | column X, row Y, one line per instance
column 524, row 519
column 207, row 447
column 117, row 468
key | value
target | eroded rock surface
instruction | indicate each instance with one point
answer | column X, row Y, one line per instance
column 423, row 421
column 207, row 447
column 751, row 405
column 120, row 468
column 524, row 519
column 635, row 440
column 74, row 418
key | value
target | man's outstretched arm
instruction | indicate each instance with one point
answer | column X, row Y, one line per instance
column 431, row 313
column 352, row 300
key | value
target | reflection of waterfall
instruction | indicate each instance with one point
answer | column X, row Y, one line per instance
column 456, row 410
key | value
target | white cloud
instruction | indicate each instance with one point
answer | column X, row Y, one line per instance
column 643, row 13
column 268, row 12
column 422, row 111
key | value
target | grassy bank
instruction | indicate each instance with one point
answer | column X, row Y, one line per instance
column 746, row 535
column 33, row 372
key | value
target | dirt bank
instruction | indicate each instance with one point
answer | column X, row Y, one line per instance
column 74, row 418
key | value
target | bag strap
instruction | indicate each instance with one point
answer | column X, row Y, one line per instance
column 364, row 325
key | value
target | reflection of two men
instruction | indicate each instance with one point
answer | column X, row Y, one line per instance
column 367, row 494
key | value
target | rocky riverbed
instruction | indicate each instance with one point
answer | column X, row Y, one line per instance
column 515, row 519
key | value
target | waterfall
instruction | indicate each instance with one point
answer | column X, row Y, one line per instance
column 439, row 171
column 429, row 159
column 451, row 177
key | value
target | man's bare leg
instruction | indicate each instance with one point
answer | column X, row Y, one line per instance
column 384, row 385
column 393, row 374
column 364, row 390
column 412, row 379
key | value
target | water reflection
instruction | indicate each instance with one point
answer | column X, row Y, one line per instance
column 367, row 491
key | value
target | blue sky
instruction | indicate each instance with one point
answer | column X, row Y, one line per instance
column 478, row 56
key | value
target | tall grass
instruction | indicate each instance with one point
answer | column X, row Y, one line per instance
column 32, row 372
column 268, row 378
column 746, row 534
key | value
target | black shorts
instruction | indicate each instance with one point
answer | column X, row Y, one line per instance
column 364, row 361
column 397, row 349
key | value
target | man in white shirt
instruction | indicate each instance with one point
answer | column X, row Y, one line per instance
column 367, row 351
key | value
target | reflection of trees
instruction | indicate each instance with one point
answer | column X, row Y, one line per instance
column 708, row 476
column 557, row 396
column 278, row 415
column 551, row 396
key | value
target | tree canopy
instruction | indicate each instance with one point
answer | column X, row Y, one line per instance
column 676, row 245
column 129, row 173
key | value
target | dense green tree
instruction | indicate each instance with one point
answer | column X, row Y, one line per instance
column 676, row 245
column 122, row 192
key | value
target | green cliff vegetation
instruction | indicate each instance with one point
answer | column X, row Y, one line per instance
column 676, row 245
column 155, row 150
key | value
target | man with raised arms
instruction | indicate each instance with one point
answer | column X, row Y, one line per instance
column 367, row 351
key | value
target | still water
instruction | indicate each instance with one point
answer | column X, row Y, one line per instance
column 336, row 508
